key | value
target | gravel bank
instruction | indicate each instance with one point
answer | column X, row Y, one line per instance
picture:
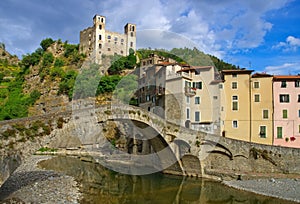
column 288, row 189
column 29, row 184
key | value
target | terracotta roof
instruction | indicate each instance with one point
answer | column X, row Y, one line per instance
column 202, row 67
column 286, row 77
column 165, row 63
column 237, row 71
column 261, row 75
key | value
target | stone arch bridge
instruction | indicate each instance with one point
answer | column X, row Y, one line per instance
column 192, row 152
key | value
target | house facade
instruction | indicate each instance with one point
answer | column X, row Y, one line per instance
column 182, row 94
column 286, row 96
column 261, row 108
column 235, row 104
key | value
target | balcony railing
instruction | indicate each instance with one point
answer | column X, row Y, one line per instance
column 189, row 91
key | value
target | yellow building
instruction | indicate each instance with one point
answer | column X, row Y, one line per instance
column 261, row 109
column 235, row 105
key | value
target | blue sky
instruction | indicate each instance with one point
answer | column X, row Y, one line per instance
column 256, row 34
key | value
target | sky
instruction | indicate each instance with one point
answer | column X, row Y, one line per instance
column 253, row 34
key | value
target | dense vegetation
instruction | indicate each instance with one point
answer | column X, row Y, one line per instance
column 14, row 103
column 190, row 56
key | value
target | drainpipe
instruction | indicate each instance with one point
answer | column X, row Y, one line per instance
column 273, row 126
column 250, row 94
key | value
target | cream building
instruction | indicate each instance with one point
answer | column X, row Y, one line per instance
column 183, row 94
column 235, row 104
column 96, row 41
column 261, row 108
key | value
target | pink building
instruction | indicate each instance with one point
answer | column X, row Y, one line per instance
column 286, row 100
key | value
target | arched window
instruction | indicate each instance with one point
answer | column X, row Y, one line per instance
column 131, row 33
column 102, row 20
column 100, row 46
column 132, row 28
column 100, row 27
column 100, row 37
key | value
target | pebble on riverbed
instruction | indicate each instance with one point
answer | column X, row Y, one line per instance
column 29, row 184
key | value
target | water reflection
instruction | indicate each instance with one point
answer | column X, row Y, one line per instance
column 100, row 185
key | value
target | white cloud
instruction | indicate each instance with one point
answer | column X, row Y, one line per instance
column 284, row 69
column 215, row 26
column 291, row 44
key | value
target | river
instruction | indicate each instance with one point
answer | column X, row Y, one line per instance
column 101, row 185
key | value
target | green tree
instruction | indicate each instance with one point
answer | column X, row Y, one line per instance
column 66, row 85
column 46, row 43
column 48, row 59
column 126, row 88
column 108, row 84
column 87, row 82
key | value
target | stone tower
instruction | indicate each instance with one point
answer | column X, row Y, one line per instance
column 130, row 31
column 99, row 25
column 96, row 41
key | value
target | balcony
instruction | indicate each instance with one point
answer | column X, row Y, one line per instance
column 190, row 91
column 160, row 91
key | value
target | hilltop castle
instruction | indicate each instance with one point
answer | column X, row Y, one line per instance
column 96, row 41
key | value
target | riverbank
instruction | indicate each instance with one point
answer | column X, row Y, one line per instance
column 282, row 188
column 29, row 184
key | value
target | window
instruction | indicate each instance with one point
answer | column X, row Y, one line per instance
column 279, row 132
column 108, row 37
column 131, row 34
column 100, row 27
column 116, row 39
column 122, row 40
column 197, row 85
column 298, row 98
column 256, row 84
column 108, row 49
column 234, row 105
column 197, row 116
column 100, row 46
column 297, row 83
column 263, row 131
column 148, row 98
column 187, row 113
column 197, row 72
column 284, row 113
column 234, row 85
column 284, row 98
column 153, row 99
column 234, row 75
column 197, row 100
column 235, row 124
column 283, row 84
column 187, row 99
column 299, row 128
column 256, row 98
column 188, row 84
column 100, row 37
column 234, row 102
column 131, row 44
column 265, row 114
column 299, row 113
column 220, row 86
